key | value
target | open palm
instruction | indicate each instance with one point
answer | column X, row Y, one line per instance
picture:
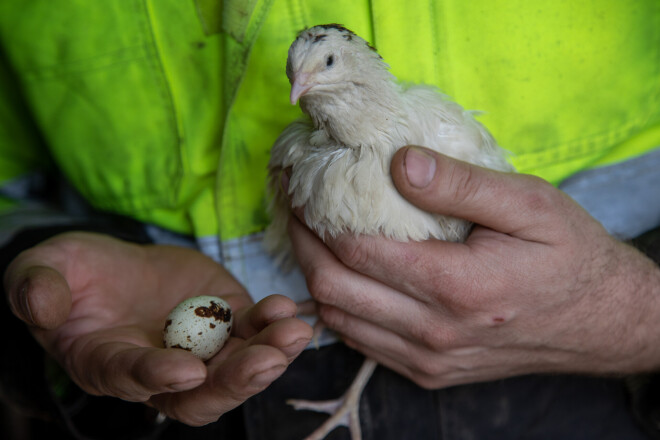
column 98, row 305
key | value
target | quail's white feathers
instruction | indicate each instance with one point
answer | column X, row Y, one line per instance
column 358, row 116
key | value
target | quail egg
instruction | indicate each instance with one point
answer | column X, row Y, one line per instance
column 200, row 325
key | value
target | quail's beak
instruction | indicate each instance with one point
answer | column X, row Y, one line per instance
column 300, row 86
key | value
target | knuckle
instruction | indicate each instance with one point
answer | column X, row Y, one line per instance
column 321, row 284
column 541, row 196
column 429, row 338
column 434, row 336
column 464, row 186
column 468, row 305
column 184, row 416
column 426, row 381
column 196, row 421
column 353, row 252
column 331, row 317
column 467, row 295
column 428, row 373
column 427, row 370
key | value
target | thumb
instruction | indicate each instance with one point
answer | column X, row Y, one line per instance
column 515, row 204
column 38, row 295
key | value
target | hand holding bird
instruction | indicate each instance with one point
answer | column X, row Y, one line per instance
column 358, row 117
column 538, row 285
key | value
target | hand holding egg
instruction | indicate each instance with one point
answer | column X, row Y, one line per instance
column 107, row 330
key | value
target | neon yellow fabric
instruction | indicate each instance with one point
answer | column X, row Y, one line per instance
column 21, row 149
column 126, row 94
column 563, row 84
column 171, row 119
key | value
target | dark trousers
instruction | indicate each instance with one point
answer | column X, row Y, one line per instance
column 392, row 408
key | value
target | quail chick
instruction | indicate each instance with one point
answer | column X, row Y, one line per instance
column 357, row 116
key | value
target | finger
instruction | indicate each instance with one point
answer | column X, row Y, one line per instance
column 289, row 335
column 353, row 328
column 416, row 362
column 410, row 268
column 438, row 369
column 251, row 320
column 427, row 371
column 516, row 204
column 38, row 295
column 106, row 366
column 422, row 270
column 231, row 382
column 420, row 334
column 331, row 282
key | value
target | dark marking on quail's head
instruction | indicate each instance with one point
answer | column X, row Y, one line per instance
column 312, row 34
column 306, row 34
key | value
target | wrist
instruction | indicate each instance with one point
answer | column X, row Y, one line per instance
column 642, row 280
column 644, row 389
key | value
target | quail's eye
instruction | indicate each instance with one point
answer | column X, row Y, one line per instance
column 329, row 61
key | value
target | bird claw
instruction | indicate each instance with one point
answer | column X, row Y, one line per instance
column 325, row 406
column 344, row 411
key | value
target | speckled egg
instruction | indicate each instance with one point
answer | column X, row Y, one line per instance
column 200, row 325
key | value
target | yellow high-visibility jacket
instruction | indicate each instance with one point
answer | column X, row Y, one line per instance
column 165, row 110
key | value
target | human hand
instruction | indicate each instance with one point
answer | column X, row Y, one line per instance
column 538, row 286
column 98, row 306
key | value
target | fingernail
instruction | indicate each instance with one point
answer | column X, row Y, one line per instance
column 420, row 167
column 188, row 384
column 265, row 378
column 24, row 301
column 293, row 350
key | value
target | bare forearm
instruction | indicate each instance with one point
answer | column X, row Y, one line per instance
column 639, row 275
